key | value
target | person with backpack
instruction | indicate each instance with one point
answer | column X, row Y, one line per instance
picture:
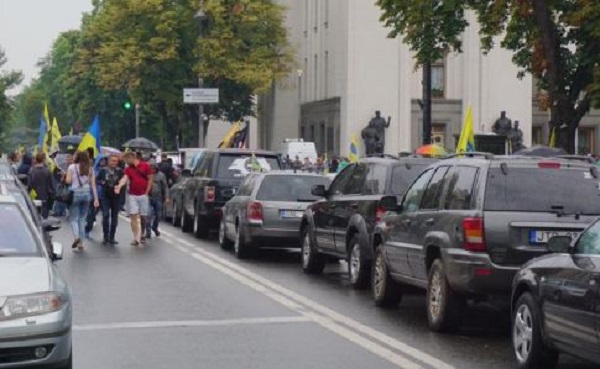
column 41, row 183
column 108, row 179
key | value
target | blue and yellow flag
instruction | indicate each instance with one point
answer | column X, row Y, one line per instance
column 353, row 156
column 54, row 135
column 466, row 143
column 42, row 143
column 92, row 138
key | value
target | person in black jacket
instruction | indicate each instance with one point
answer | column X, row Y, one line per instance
column 108, row 179
column 26, row 164
column 41, row 182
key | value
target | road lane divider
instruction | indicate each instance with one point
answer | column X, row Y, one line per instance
column 339, row 324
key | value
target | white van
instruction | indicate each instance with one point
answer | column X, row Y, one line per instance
column 297, row 147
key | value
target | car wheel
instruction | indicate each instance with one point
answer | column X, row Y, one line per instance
column 444, row 306
column 175, row 219
column 240, row 249
column 386, row 291
column 187, row 222
column 200, row 226
column 223, row 240
column 313, row 262
column 359, row 269
column 528, row 345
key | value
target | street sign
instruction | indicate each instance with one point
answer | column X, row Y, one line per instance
column 200, row 95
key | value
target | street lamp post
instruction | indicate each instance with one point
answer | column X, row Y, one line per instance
column 137, row 120
column 200, row 17
column 300, row 74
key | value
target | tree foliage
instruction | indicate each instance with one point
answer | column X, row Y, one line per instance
column 557, row 41
column 8, row 80
column 147, row 51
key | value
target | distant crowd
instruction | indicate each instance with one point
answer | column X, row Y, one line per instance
column 322, row 165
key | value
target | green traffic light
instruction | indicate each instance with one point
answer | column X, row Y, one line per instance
column 127, row 105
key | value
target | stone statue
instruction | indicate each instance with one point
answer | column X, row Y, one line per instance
column 372, row 140
column 516, row 138
column 502, row 126
column 380, row 124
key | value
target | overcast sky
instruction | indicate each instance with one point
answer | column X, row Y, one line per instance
column 28, row 28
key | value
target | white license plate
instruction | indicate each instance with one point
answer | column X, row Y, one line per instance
column 292, row 213
column 542, row 237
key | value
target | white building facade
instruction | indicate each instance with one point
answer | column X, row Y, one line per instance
column 348, row 68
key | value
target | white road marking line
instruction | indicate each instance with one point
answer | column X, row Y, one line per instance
column 333, row 315
column 190, row 323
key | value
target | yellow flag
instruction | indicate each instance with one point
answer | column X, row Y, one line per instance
column 466, row 143
column 228, row 139
column 552, row 142
column 55, row 134
column 33, row 194
column 353, row 155
column 46, row 136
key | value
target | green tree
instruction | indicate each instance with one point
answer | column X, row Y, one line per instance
column 8, row 80
column 557, row 41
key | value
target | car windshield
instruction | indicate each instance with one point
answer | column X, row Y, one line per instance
column 238, row 166
column 543, row 190
column 17, row 237
column 403, row 176
column 290, row 188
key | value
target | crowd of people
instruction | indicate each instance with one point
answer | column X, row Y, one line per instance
column 106, row 184
column 322, row 165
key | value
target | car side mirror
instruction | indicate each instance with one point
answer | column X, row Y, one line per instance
column 560, row 244
column 319, row 191
column 186, row 173
column 50, row 225
column 389, row 203
column 57, row 251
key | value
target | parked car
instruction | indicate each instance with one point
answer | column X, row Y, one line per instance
column 173, row 210
column 466, row 225
column 266, row 211
column 555, row 300
column 215, row 180
column 35, row 302
column 341, row 224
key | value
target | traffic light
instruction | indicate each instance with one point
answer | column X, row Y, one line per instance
column 127, row 105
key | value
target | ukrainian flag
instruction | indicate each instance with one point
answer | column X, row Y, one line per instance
column 353, row 156
column 92, row 138
column 466, row 143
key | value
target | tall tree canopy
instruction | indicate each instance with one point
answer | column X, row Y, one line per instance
column 557, row 41
column 8, row 80
column 147, row 51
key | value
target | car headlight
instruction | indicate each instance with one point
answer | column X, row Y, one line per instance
column 30, row 305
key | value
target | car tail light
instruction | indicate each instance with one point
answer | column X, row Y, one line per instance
column 474, row 237
column 548, row 165
column 209, row 194
column 255, row 212
column 379, row 214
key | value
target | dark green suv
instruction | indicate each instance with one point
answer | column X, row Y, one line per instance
column 467, row 224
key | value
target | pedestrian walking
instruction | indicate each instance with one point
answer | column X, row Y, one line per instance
column 92, row 211
column 40, row 183
column 26, row 164
column 140, row 177
column 108, row 178
column 159, row 195
column 81, row 178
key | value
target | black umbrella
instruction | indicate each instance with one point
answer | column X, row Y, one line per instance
column 69, row 143
column 541, row 151
column 140, row 143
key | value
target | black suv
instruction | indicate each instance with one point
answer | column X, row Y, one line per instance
column 341, row 224
column 215, row 179
column 466, row 225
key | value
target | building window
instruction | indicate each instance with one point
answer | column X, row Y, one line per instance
column 438, row 133
column 312, row 133
column 303, row 133
column 586, row 143
column 537, row 136
column 326, row 74
column 330, row 137
column 316, row 78
column 305, row 81
column 322, row 142
column 438, row 79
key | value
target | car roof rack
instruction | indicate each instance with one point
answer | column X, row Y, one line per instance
column 485, row 155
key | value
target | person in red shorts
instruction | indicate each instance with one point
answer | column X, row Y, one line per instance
column 140, row 177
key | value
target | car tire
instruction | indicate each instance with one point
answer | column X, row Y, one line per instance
column 200, row 226
column 240, row 248
column 526, row 331
column 313, row 262
column 444, row 305
column 187, row 222
column 176, row 218
column 224, row 242
column 387, row 293
column 359, row 268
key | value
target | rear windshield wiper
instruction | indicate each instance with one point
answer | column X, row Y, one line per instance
column 306, row 200
column 559, row 210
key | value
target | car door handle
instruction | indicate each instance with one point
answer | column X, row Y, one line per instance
column 430, row 222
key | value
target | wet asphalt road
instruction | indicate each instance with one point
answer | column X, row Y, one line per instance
column 184, row 303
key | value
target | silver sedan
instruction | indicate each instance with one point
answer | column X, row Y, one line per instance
column 266, row 211
column 35, row 303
